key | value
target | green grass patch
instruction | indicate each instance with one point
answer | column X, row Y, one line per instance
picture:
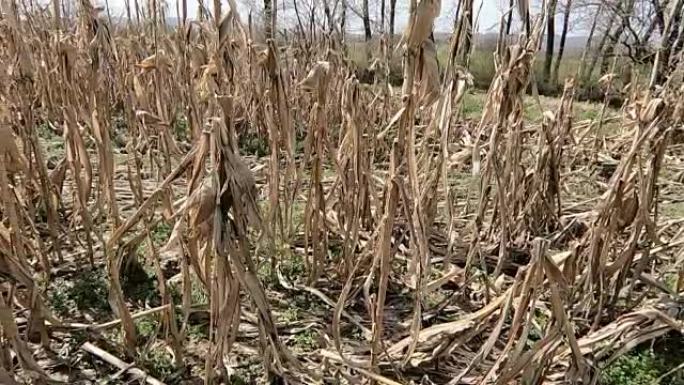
column 140, row 285
column 473, row 105
column 82, row 293
column 161, row 233
column 672, row 210
column 53, row 144
column 147, row 327
column 198, row 332
column 158, row 363
column 482, row 68
column 198, row 295
column 646, row 364
column 306, row 340
column 632, row 369
column 252, row 143
column 181, row 128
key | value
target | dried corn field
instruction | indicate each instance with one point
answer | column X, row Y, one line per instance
column 198, row 204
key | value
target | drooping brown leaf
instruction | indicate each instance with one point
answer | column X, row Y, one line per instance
column 13, row 159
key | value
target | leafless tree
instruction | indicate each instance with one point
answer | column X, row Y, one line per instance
column 561, row 45
column 598, row 52
column 550, row 37
column 392, row 16
column 638, row 32
column 268, row 17
column 366, row 21
column 663, row 51
column 299, row 20
column 582, row 69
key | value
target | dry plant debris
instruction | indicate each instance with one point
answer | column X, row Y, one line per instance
column 382, row 239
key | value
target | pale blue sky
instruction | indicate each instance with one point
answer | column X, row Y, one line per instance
column 489, row 15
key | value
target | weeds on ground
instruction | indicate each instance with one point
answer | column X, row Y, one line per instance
column 181, row 128
column 198, row 332
column 306, row 340
column 254, row 144
column 83, row 293
column 198, row 296
column 146, row 327
column 158, row 363
column 161, row 233
column 645, row 366
column 53, row 143
column 141, row 287
column 637, row 369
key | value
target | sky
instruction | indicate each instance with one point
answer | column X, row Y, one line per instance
column 490, row 12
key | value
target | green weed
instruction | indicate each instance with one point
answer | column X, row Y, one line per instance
column 197, row 332
column 86, row 292
column 473, row 103
column 53, row 143
column 290, row 314
column 246, row 373
column 645, row 365
column 198, row 295
column 54, row 150
column 140, row 286
column 637, row 369
column 306, row 340
column 59, row 301
column 45, row 132
column 434, row 299
column 146, row 327
column 159, row 364
column 161, row 233
column 236, row 379
column 293, row 266
column 181, row 128
column 254, row 144
column 671, row 281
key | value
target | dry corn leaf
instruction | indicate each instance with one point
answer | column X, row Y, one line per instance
column 224, row 28
column 422, row 22
column 157, row 60
column 14, row 160
column 429, row 85
column 450, row 328
column 6, row 378
column 606, row 79
column 25, row 358
column 202, row 203
column 652, row 111
column 317, row 76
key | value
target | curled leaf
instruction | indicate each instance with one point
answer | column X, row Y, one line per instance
column 652, row 111
column 9, row 150
column 317, row 76
column 422, row 22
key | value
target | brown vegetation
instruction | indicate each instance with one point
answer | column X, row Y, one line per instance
column 289, row 219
